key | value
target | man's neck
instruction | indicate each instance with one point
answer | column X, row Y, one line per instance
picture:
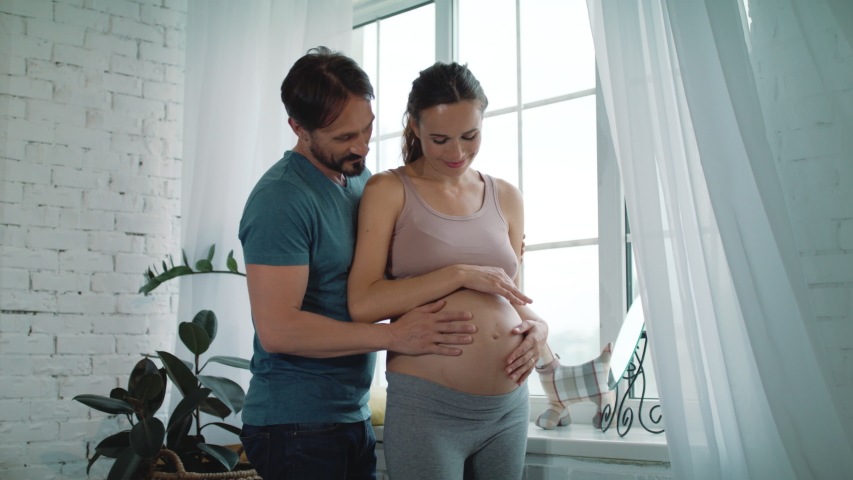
column 335, row 177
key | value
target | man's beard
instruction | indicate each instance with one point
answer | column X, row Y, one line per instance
column 344, row 165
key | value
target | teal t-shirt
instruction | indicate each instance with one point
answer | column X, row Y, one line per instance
column 297, row 216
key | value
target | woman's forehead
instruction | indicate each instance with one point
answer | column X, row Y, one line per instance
column 464, row 115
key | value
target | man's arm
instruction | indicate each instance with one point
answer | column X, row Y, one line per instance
column 276, row 294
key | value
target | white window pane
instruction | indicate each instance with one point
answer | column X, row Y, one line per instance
column 499, row 148
column 557, row 55
column 560, row 171
column 390, row 154
column 406, row 46
column 563, row 284
column 364, row 52
column 487, row 43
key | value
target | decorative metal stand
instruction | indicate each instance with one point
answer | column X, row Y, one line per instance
column 625, row 414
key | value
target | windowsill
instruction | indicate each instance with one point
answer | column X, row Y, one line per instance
column 584, row 440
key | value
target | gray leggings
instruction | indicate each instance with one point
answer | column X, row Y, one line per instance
column 435, row 433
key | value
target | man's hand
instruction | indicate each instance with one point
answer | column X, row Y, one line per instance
column 522, row 360
column 425, row 330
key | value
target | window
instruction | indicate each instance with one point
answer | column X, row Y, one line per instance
column 536, row 62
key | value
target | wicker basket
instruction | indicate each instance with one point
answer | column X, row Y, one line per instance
column 182, row 474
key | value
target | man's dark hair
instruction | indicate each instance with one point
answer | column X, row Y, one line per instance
column 317, row 88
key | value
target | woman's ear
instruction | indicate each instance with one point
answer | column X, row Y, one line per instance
column 414, row 126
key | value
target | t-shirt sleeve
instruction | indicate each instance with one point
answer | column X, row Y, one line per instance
column 276, row 227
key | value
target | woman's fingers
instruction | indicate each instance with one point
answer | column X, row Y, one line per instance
column 514, row 369
column 529, row 369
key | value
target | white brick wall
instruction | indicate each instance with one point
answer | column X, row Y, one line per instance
column 812, row 119
column 90, row 132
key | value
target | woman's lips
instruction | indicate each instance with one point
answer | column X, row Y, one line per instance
column 455, row 165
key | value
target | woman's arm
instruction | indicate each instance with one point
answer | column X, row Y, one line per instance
column 371, row 296
column 535, row 330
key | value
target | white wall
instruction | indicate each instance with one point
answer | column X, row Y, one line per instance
column 90, row 102
column 808, row 103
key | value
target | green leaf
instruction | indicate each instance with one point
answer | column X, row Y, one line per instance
column 151, row 406
column 114, row 445
column 171, row 261
column 204, row 266
column 194, row 337
column 214, row 406
column 225, row 426
column 147, row 436
column 210, row 252
column 207, row 320
column 225, row 456
column 178, row 432
column 230, row 262
column 120, row 393
column 148, row 287
column 142, row 368
column 187, row 406
column 149, row 387
column 165, row 267
column 232, row 265
column 105, row 404
column 125, row 465
column 230, row 361
column 92, row 461
column 227, row 390
column 178, row 372
column 180, row 270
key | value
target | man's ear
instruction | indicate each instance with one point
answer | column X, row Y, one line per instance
column 298, row 130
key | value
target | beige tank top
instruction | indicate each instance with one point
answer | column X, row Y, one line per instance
column 425, row 240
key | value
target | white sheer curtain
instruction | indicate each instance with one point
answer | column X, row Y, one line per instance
column 745, row 386
column 235, row 127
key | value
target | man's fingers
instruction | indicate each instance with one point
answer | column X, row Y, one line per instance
column 440, row 350
column 432, row 307
column 447, row 328
column 453, row 339
column 453, row 316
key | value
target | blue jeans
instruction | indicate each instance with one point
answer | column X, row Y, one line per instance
column 308, row 451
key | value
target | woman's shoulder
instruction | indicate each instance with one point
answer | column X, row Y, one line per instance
column 385, row 180
column 505, row 189
column 386, row 187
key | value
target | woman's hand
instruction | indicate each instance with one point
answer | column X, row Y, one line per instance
column 492, row 280
column 523, row 359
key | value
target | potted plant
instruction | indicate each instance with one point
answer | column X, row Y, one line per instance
column 170, row 449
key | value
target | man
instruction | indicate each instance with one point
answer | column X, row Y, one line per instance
column 306, row 413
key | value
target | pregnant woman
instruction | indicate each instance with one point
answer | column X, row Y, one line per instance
column 437, row 228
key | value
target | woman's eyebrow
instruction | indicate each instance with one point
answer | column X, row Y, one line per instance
column 464, row 133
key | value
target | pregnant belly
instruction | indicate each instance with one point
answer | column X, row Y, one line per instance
column 481, row 369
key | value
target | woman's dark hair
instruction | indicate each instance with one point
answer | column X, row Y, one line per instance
column 440, row 84
column 317, row 88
